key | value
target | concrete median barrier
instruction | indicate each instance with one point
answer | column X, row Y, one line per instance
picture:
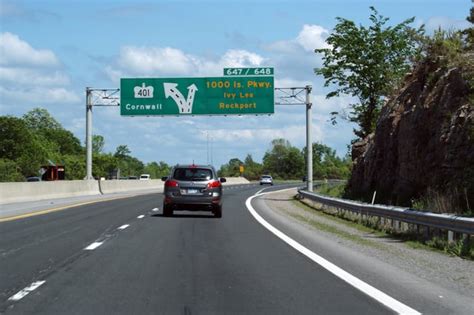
column 235, row 181
column 31, row 191
column 114, row 186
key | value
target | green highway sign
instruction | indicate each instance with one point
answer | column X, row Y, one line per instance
column 248, row 71
column 197, row 96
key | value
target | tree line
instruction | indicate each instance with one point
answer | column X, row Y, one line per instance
column 284, row 161
column 37, row 139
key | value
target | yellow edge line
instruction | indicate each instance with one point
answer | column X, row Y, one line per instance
column 32, row 214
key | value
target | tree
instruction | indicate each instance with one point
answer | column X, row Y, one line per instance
column 252, row 169
column 368, row 63
column 469, row 32
column 98, row 143
column 231, row 169
column 283, row 161
column 157, row 170
column 40, row 119
column 326, row 164
column 19, row 144
column 122, row 151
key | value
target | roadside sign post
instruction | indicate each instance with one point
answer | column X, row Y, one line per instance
column 309, row 144
column 293, row 96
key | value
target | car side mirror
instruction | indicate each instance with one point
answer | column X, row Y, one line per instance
column 164, row 178
column 222, row 179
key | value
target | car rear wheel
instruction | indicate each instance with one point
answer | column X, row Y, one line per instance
column 167, row 211
column 217, row 212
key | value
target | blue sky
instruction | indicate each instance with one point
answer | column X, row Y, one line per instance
column 50, row 51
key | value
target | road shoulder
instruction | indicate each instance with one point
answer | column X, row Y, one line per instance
column 384, row 261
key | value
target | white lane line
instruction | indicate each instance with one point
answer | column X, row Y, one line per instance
column 123, row 227
column 93, row 246
column 366, row 288
column 22, row 293
column 140, row 216
column 155, row 209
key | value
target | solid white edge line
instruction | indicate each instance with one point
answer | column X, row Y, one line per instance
column 366, row 288
column 93, row 246
column 22, row 293
column 123, row 227
column 141, row 216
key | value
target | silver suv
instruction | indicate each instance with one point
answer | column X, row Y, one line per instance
column 193, row 187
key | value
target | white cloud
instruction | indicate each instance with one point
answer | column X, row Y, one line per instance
column 38, row 96
column 309, row 38
column 14, row 51
column 31, row 77
column 158, row 61
column 294, row 133
column 312, row 37
column 152, row 60
column 28, row 76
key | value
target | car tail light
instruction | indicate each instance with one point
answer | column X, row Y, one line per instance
column 171, row 183
column 214, row 184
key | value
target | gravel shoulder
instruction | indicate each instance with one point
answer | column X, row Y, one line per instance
column 452, row 274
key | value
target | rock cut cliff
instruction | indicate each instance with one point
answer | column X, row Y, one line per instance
column 423, row 143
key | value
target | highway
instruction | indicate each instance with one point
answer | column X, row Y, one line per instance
column 123, row 257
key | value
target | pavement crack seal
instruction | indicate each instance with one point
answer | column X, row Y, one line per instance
column 355, row 282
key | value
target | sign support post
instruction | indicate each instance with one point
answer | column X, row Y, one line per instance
column 293, row 96
column 96, row 97
column 309, row 144
column 88, row 134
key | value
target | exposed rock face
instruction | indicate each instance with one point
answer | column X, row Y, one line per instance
column 424, row 139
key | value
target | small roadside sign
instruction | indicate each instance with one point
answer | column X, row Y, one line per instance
column 248, row 71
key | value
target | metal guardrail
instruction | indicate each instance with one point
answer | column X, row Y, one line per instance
column 438, row 221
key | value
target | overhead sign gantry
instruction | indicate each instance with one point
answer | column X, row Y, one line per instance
column 229, row 95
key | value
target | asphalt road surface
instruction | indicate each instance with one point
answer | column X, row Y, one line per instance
column 124, row 257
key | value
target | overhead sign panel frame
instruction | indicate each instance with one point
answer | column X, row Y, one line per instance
column 249, row 95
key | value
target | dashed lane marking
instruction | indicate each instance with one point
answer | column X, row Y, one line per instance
column 123, row 227
column 22, row 293
column 93, row 246
column 140, row 216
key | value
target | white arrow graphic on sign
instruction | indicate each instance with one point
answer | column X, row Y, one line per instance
column 185, row 106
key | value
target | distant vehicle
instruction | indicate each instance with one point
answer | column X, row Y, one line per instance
column 145, row 177
column 33, row 179
column 266, row 179
column 132, row 177
column 193, row 187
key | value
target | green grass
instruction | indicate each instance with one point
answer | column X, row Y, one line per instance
column 336, row 191
column 334, row 230
column 346, row 222
column 412, row 240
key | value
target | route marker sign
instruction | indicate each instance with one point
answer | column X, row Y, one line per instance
column 248, row 71
column 197, row 96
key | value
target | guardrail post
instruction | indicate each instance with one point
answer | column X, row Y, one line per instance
column 450, row 236
column 427, row 232
column 466, row 240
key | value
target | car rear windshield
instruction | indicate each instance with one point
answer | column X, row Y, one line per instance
column 266, row 177
column 193, row 174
